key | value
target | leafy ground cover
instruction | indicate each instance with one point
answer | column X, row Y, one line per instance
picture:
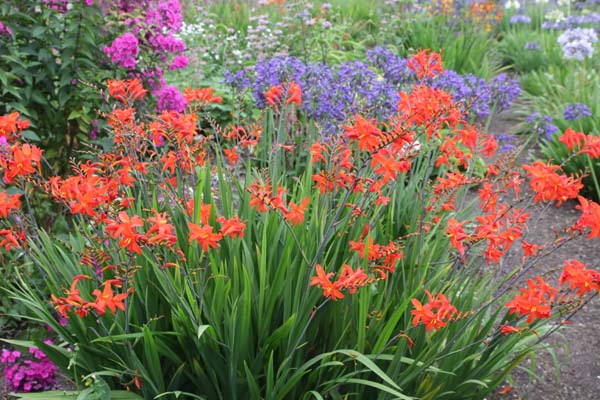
column 295, row 200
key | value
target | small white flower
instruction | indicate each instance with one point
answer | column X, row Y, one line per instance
column 512, row 4
column 555, row 15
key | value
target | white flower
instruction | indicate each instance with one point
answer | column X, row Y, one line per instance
column 555, row 15
column 563, row 3
column 512, row 4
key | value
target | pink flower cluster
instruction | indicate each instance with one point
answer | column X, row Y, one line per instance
column 28, row 374
column 124, row 51
column 4, row 30
column 154, row 32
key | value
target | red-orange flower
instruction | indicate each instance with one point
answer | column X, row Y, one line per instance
column 11, row 126
column 364, row 132
column 126, row 91
column 273, row 95
column 8, row 202
column 124, row 228
column 509, row 329
column 294, row 94
column 549, row 185
column 107, row 299
column 204, row 235
column 457, row 235
column 578, row 277
column 425, row 64
column 160, row 232
column 435, row 314
column 590, row 217
column 20, row 162
column 295, row 215
column 203, row 96
column 232, row 156
column 64, row 305
column 231, row 227
column 535, row 301
column 322, row 281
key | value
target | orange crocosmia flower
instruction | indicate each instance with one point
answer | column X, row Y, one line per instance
column 126, row 90
column 425, row 64
column 591, row 146
column 435, row 314
column 260, row 196
column 352, row 280
column 182, row 126
column 535, row 301
column 20, row 162
column 385, row 163
column 10, row 239
column 232, row 156
column 322, row 280
column 273, row 95
column 530, row 249
column 457, row 235
column 509, row 329
column 294, row 94
column 323, row 182
column 64, row 305
column 505, row 390
column 364, row 132
column 204, row 235
column 295, row 215
column 316, row 151
column 169, row 162
column 590, row 217
column 578, row 277
column 489, row 146
column 205, row 210
column 107, row 299
column 11, row 124
column 124, row 228
column 232, row 227
column 549, row 185
column 160, row 232
column 468, row 137
column 8, row 202
column 277, row 202
column 203, row 96
column 572, row 139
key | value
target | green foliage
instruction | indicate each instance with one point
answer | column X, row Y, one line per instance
column 514, row 54
column 242, row 320
column 548, row 93
column 48, row 68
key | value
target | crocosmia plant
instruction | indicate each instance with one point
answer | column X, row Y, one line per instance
column 262, row 259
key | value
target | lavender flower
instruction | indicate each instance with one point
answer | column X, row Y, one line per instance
column 533, row 46
column 576, row 111
column 520, row 19
column 542, row 125
column 332, row 94
column 506, row 142
column 578, row 43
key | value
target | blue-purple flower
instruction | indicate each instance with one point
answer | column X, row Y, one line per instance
column 576, row 111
